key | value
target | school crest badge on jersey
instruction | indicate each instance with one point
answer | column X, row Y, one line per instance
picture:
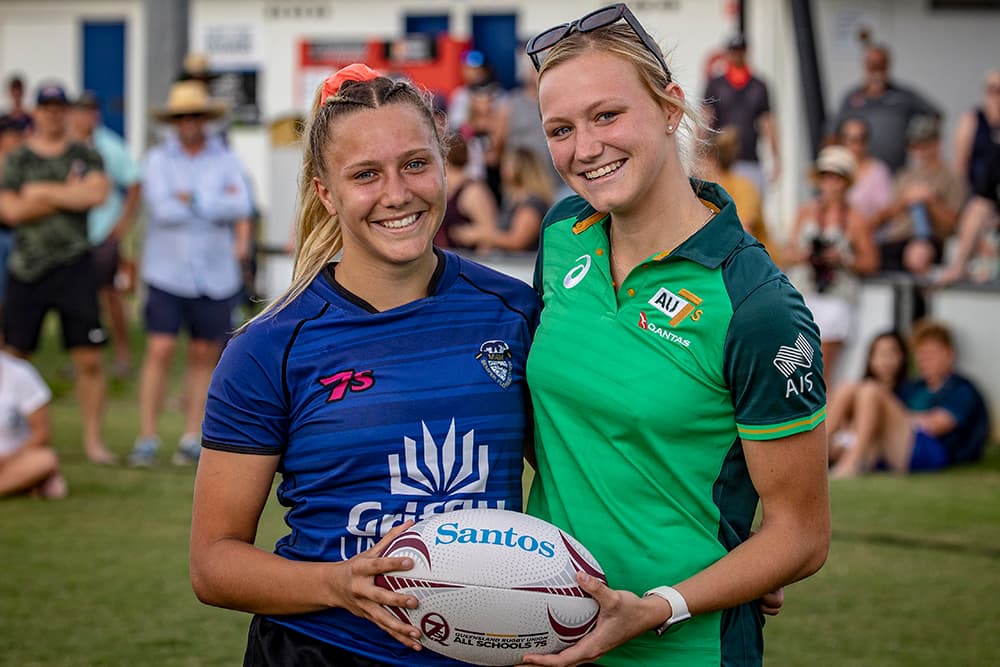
column 495, row 357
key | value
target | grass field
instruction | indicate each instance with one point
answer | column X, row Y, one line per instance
column 100, row 578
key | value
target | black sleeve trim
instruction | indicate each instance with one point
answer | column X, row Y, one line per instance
column 240, row 449
column 286, row 392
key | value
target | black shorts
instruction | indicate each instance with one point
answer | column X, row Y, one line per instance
column 273, row 645
column 205, row 318
column 106, row 257
column 71, row 290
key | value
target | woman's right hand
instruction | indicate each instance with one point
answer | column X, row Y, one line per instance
column 355, row 589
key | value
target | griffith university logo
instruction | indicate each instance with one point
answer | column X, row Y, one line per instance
column 495, row 356
column 677, row 307
column 429, row 477
column 439, row 469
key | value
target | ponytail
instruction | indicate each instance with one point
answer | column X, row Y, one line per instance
column 317, row 231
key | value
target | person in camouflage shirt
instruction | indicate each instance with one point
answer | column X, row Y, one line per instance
column 48, row 186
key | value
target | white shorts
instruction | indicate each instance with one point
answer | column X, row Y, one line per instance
column 832, row 315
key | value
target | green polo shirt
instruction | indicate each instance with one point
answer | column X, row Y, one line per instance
column 644, row 396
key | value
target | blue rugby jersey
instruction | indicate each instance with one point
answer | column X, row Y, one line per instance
column 380, row 417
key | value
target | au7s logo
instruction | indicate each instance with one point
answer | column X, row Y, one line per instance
column 349, row 380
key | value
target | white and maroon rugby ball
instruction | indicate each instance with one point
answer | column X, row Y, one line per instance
column 493, row 585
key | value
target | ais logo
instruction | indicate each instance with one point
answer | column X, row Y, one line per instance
column 451, row 533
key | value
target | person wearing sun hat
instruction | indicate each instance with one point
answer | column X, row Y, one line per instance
column 829, row 246
column 195, row 193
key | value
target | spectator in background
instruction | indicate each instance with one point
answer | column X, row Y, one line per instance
column 927, row 200
column 195, row 192
column 722, row 148
column 11, row 138
column 522, row 122
column 48, row 186
column 18, row 112
column 940, row 421
column 831, row 244
column 740, row 99
column 28, row 464
column 483, row 131
column 887, row 364
column 108, row 223
column 470, row 202
column 527, row 195
column 886, row 107
column 978, row 132
column 976, row 251
column 872, row 190
column 475, row 72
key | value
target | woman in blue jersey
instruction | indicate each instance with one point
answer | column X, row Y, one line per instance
column 676, row 375
column 387, row 384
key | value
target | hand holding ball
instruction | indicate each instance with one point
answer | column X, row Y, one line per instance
column 493, row 585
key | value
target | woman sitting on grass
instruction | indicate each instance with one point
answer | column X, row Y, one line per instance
column 27, row 463
column 887, row 365
column 938, row 420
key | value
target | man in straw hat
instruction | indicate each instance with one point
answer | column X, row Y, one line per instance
column 195, row 192
column 48, row 186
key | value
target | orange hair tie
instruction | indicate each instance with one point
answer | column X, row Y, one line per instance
column 353, row 72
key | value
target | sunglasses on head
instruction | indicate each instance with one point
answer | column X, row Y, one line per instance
column 599, row 18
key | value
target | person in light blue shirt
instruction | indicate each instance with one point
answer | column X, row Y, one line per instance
column 196, row 194
column 108, row 223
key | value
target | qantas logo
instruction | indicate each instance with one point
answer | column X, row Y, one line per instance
column 665, row 334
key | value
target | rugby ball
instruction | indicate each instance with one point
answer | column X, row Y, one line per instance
column 493, row 585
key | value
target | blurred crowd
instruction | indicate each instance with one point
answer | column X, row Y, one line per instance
column 885, row 199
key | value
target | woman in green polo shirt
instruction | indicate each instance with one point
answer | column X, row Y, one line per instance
column 676, row 375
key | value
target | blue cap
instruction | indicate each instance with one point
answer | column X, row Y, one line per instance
column 474, row 59
column 51, row 93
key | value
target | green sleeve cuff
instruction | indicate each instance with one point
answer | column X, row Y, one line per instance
column 782, row 430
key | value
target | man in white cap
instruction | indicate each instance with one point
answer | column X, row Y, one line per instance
column 195, row 192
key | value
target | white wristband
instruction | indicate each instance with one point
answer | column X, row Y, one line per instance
column 678, row 606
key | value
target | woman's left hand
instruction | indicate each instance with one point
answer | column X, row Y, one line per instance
column 770, row 603
column 623, row 615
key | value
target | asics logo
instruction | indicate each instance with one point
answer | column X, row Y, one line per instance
column 790, row 358
column 577, row 273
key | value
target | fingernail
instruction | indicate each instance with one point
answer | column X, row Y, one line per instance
column 411, row 603
column 407, row 562
column 583, row 577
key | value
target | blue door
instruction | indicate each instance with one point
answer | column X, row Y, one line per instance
column 496, row 36
column 104, row 69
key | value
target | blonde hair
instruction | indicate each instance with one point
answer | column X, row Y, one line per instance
column 318, row 236
column 619, row 40
column 528, row 172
